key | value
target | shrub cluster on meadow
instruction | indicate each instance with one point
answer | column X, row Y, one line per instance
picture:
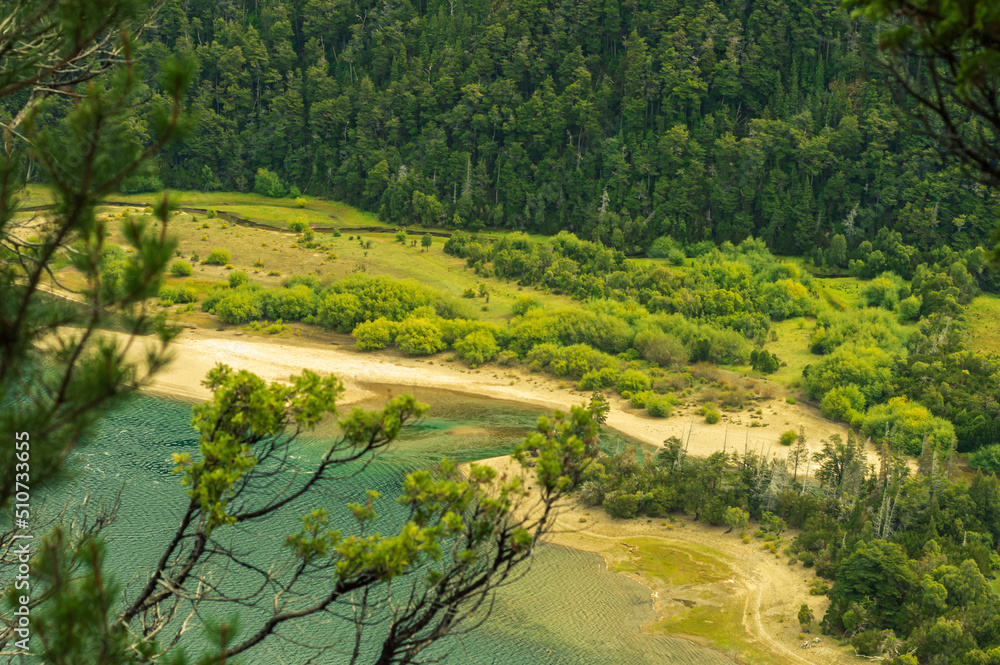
column 909, row 387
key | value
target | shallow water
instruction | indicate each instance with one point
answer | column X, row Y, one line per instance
column 568, row 609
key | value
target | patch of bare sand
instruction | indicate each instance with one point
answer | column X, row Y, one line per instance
column 769, row 589
column 198, row 350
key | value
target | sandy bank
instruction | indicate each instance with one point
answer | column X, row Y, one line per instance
column 751, row 616
column 198, row 350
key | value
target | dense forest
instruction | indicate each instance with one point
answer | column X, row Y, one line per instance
column 618, row 120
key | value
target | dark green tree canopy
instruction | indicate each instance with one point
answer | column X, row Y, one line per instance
column 620, row 122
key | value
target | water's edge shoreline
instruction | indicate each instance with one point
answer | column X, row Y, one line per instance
column 366, row 375
column 275, row 359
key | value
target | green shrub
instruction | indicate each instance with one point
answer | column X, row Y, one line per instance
column 300, row 202
column 375, row 335
column 874, row 328
column 704, row 342
column 240, row 306
column 476, row 348
column 268, row 183
column 788, row 437
column 601, row 331
column 523, row 304
column 453, row 330
column 213, row 297
column 868, row 368
column 786, row 298
column 574, row 361
column 909, row 308
column 567, row 327
column 661, row 501
column 663, row 247
column 506, row 358
column 907, row 423
column 530, row 330
column 341, row 312
column 181, row 269
column 633, row 381
column 139, row 184
column 621, row 505
column 661, row 348
column 418, row 336
column 660, row 406
column 639, row 399
column 275, row 328
column 605, row 377
column 882, row 291
column 218, row 257
column 178, row 294
column 375, row 297
column 867, row 643
column 297, row 225
column 238, row 278
column 711, row 414
column 296, row 303
column 845, row 403
column 764, row 362
column 986, row 459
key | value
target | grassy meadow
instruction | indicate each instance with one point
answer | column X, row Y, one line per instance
column 269, row 252
column 696, row 595
column 982, row 317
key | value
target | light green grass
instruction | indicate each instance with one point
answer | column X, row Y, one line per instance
column 256, row 208
column 839, row 292
column 276, row 248
column 268, row 211
column 440, row 271
column 694, row 572
column 672, row 563
column 792, row 349
column 983, row 315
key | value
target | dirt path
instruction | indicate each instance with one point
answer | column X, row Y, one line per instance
column 772, row 591
column 766, row 590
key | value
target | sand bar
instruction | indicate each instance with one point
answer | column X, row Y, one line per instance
column 198, row 350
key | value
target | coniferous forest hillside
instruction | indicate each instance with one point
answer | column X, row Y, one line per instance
column 620, row 121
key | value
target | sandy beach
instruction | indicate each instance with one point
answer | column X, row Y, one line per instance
column 771, row 591
column 198, row 350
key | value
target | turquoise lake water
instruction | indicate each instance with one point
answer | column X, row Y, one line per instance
column 568, row 609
